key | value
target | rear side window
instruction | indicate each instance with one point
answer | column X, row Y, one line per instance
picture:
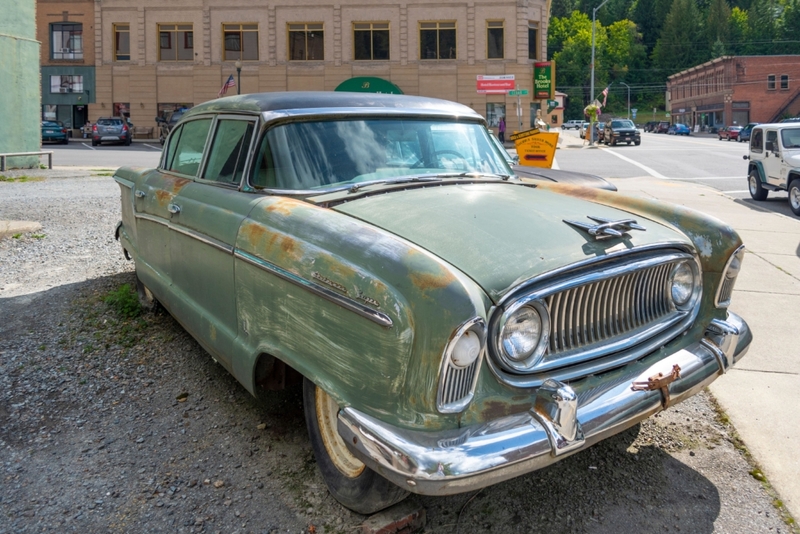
column 186, row 147
column 757, row 141
column 228, row 151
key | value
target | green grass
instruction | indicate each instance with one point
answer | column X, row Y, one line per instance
column 23, row 178
column 125, row 301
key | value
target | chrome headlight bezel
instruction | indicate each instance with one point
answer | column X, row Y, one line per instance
column 476, row 325
column 691, row 300
column 505, row 360
column 722, row 298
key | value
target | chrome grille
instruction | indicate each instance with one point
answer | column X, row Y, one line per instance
column 595, row 312
column 457, row 383
column 726, row 292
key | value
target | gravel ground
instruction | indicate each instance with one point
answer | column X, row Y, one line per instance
column 124, row 424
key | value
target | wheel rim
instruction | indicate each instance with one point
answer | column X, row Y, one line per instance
column 794, row 198
column 753, row 185
column 327, row 420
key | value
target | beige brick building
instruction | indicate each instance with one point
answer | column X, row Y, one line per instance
column 152, row 56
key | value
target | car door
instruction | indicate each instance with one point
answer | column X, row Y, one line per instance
column 772, row 158
column 153, row 207
column 209, row 212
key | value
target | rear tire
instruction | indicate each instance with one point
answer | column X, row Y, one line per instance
column 794, row 196
column 95, row 143
column 352, row 483
column 754, row 185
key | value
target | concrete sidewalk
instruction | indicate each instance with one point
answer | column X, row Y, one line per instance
column 761, row 395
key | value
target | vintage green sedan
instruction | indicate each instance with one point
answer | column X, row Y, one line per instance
column 453, row 325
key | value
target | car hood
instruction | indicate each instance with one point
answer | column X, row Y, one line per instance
column 500, row 235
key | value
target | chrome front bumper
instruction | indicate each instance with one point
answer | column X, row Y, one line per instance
column 562, row 421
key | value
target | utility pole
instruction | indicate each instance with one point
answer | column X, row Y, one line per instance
column 629, row 98
column 594, row 16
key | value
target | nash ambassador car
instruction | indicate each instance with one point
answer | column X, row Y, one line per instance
column 453, row 325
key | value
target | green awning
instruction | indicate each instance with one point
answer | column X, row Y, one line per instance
column 369, row 84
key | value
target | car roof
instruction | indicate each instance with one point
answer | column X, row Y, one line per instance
column 331, row 102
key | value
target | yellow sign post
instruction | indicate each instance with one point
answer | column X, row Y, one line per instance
column 536, row 148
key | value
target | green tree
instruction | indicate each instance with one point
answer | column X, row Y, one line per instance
column 763, row 17
column 562, row 8
column 649, row 16
column 717, row 29
column 738, row 32
column 790, row 25
column 682, row 43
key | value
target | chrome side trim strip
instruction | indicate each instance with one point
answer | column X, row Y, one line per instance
column 210, row 241
column 345, row 302
column 152, row 218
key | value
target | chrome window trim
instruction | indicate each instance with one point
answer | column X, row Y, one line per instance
column 718, row 294
column 478, row 325
column 570, row 366
column 242, row 184
column 345, row 302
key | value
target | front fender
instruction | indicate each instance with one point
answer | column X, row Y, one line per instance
column 288, row 251
column 759, row 168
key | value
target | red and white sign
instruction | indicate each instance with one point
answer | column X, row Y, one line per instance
column 496, row 85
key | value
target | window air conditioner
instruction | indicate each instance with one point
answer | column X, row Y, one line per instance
column 66, row 50
column 63, row 89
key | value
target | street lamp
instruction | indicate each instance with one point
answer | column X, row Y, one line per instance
column 594, row 16
column 629, row 98
column 238, row 66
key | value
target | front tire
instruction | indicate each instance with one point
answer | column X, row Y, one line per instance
column 352, row 483
column 794, row 196
column 756, row 190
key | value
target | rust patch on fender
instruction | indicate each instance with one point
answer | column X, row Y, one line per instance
column 164, row 197
column 254, row 233
column 496, row 409
column 284, row 206
column 428, row 281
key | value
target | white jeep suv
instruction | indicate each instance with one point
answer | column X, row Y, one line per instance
column 775, row 162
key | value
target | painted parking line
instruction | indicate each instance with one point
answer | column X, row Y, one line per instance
column 153, row 147
column 709, row 178
column 735, row 192
column 645, row 168
column 89, row 146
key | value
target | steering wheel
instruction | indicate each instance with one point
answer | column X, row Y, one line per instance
column 464, row 164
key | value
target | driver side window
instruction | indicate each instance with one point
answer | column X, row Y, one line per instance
column 772, row 141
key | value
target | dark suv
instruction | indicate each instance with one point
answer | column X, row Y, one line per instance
column 621, row 131
column 661, row 127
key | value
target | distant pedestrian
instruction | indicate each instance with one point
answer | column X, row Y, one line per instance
column 501, row 130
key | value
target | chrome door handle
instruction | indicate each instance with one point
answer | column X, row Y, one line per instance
column 139, row 193
column 174, row 209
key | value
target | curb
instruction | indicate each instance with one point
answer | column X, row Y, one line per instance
column 18, row 227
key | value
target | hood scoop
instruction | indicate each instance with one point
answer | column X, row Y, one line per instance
column 606, row 227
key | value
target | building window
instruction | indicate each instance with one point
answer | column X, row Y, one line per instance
column 240, row 42
column 770, row 82
column 533, row 40
column 494, row 112
column 494, row 39
column 306, row 42
column 67, row 40
column 784, row 81
column 66, row 84
column 437, row 40
column 122, row 42
column 371, row 40
column 175, row 42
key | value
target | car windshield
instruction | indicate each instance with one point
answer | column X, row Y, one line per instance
column 790, row 137
column 327, row 154
column 622, row 124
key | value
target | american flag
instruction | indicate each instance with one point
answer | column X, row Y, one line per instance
column 230, row 83
column 605, row 94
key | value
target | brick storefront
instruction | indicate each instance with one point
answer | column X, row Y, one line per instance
column 735, row 90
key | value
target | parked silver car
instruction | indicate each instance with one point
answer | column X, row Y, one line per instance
column 112, row 130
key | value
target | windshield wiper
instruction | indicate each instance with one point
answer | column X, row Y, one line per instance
column 355, row 188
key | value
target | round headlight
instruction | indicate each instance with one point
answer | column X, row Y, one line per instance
column 466, row 350
column 521, row 333
column 682, row 283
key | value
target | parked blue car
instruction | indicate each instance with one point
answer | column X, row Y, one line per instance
column 744, row 135
column 678, row 129
column 52, row 131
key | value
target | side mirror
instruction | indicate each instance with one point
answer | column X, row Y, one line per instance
column 745, row 157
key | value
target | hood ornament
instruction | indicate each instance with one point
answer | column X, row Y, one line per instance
column 606, row 227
